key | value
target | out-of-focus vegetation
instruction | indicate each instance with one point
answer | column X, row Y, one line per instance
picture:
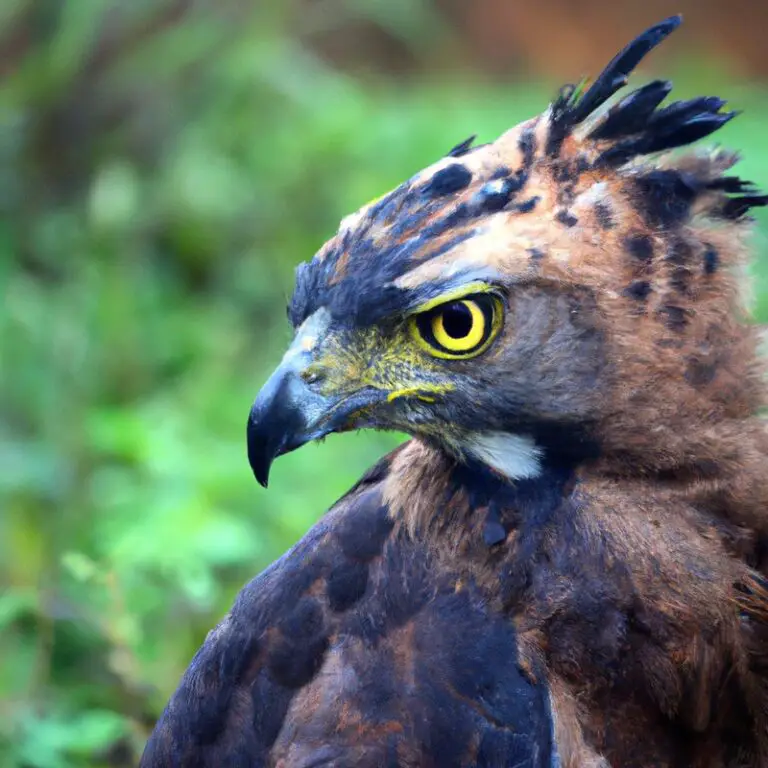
column 164, row 164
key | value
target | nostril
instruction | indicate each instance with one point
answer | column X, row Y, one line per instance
column 313, row 374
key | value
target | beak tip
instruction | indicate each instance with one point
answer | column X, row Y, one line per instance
column 259, row 456
column 260, row 465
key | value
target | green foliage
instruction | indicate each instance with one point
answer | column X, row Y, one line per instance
column 163, row 167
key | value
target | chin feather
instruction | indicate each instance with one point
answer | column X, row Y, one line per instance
column 517, row 457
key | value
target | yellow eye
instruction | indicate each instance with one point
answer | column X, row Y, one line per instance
column 459, row 329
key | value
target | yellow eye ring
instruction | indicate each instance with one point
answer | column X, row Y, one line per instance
column 459, row 329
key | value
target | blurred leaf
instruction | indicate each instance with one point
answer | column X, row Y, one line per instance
column 114, row 201
column 80, row 566
column 95, row 731
column 54, row 742
column 16, row 603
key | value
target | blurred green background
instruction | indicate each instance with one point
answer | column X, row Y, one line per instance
column 164, row 166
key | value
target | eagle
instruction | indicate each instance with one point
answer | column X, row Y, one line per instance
column 566, row 563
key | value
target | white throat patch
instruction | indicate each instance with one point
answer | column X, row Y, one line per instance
column 515, row 456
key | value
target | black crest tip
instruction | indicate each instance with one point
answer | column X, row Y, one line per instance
column 573, row 107
column 737, row 207
column 463, row 147
column 631, row 114
column 615, row 75
column 733, row 184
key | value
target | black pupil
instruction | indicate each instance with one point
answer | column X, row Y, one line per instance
column 457, row 320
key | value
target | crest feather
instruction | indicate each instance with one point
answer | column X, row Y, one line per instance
column 636, row 125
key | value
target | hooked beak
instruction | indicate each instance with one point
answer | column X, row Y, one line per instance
column 288, row 413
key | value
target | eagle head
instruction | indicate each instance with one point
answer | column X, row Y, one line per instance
column 566, row 292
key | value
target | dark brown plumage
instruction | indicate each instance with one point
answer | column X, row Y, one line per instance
column 566, row 565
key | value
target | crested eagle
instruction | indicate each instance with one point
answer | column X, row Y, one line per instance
column 565, row 565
